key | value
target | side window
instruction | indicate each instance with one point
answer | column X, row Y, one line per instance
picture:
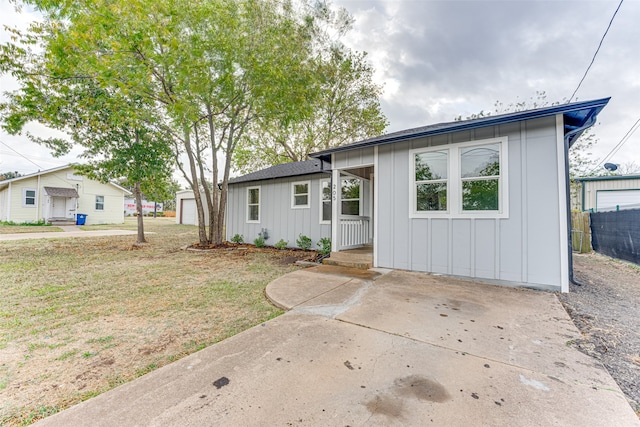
column 480, row 176
column 325, row 201
column 29, row 197
column 253, row 204
column 431, row 171
column 300, row 194
column 99, row 203
column 350, row 196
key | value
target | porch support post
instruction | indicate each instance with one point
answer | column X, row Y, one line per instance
column 335, row 204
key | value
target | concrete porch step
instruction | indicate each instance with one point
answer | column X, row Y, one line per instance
column 362, row 261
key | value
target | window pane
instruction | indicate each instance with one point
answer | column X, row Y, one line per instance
column 300, row 189
column 480, row 161
column 431, row 197
column 300, row 200
column 326, row 191
column 254, row 212
column 30, row 193
column 326, row 211
column 430, row 166
column 351, row 188
column 351, row 207
column 254, row 196
column 480, row 195
column 30, row 201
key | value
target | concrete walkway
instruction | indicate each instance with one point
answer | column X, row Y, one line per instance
column 379, row 348
column 68, row 231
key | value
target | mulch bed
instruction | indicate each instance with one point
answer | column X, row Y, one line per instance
column 287, row 255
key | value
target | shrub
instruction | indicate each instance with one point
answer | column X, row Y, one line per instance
column 325, row 246
column 304, row 242
column 259, row 242
column 237, row 238
column 281, row 244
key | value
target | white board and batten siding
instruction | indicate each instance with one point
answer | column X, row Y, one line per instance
column 277, row 215
column 522, row 248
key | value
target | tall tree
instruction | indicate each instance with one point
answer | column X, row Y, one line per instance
column 205, row 68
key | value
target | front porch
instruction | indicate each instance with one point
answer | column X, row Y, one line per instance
column 361, row 258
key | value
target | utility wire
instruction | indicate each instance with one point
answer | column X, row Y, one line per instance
column 619, row 145
column 21, row 155
column 597, row 50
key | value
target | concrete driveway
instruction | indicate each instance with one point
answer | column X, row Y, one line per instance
column 360, row 350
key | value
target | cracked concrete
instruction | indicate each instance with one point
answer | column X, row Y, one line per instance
column 398, row 349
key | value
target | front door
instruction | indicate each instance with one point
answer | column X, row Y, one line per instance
column 58, row 207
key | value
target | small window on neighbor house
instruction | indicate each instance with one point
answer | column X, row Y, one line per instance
column 300, row 194
column 29, row 197
column 350, row 192
column 253, row 204
column 325, row 201
column 99, row 203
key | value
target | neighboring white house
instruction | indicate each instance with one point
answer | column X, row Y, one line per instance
column 485, row 198
column 609, row 193
column 60, row 194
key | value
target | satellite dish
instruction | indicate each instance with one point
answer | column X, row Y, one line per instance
column 610, row 167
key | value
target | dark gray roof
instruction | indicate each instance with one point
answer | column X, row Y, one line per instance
column 577, row 115
column 61, row 192
column 284, row 170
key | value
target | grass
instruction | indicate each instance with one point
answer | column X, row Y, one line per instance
column 79, row 316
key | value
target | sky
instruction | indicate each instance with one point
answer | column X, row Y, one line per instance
column 441, row 59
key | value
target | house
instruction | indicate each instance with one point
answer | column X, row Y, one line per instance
column 485, row 198
column 608, row 193
column 59, row 194
column 286, row 200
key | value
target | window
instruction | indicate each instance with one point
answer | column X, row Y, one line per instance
column 460, row 180
column 29, row 197
column 99, row 203
column 300, row 194
column 430, row 174
column 253, row 204
column 350, row 196
column 480, row 175
column 325, row 201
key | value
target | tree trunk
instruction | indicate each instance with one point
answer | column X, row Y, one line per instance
column 202, row 226
column 138, row 195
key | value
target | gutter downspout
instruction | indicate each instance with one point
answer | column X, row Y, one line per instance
column 588, row 123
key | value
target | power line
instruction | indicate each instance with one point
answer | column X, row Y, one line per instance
column 21, row 155
column 597, row 50
column 619, row 145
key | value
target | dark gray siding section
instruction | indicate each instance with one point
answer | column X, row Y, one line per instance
column 276, row 214
column 523, row 249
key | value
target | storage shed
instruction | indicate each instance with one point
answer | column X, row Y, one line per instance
column 609, row 193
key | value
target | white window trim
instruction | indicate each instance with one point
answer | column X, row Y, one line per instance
column 96, row 203
column 24, row 198
column 251, row 221
column 454, row 182
column 322, row 201
column 293, row 195
column 360, row 207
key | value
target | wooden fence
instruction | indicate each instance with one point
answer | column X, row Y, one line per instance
column 580, row 232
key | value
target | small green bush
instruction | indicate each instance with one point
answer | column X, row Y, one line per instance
column 237, row 238
column 282, row 244
column 259, row 242
column 304, row 242
column 325, row 246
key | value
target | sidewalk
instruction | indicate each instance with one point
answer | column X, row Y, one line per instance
column 69, row 231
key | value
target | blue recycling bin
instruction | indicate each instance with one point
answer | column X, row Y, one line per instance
column 81, row 219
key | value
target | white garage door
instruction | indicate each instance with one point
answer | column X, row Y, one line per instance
column 611, row 200
column 188, row 211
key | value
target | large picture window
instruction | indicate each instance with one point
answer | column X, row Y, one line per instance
column 325, row 201
column 350, row 196
column 460, row 180
column 253, row 204
column 300, row 194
